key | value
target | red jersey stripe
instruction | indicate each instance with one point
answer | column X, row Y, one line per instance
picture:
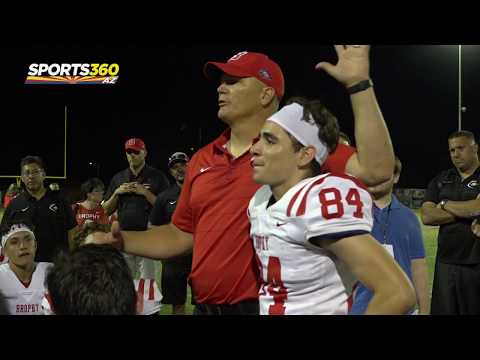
column 303, row 205
column 151, row 293
column 292, row 202
column 140, row 292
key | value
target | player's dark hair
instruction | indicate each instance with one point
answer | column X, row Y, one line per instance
column 88, row 228
column 328, row 128
column 463, row 133
column 342, row 135
column 29, row 159
column 92, row 280
column 90, row 185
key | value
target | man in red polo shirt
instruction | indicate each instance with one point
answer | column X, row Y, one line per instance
column 211, row 214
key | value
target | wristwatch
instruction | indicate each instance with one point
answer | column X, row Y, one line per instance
column 443, row 203
column 361, row 86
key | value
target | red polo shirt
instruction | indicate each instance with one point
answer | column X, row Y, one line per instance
column 213, row 207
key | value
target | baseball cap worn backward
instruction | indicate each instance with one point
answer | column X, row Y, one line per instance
column 177, row 157
column 250, row 64
column 135, row 144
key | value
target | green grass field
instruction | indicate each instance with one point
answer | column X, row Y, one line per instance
column 429, row 238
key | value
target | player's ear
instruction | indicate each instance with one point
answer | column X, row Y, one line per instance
column 306, row 156
column 267, row 96
column 396, row 178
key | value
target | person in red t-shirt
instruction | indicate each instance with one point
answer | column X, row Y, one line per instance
column 90, row 209
column 12, row 191
column 211, row 214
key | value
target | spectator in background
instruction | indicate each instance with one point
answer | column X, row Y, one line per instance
column 22, row 279
column 132, row 193
column 452, row 202
column 12, row 192
column 397, row 228
column 175, row 271
column 90, row 209
column 49, row 212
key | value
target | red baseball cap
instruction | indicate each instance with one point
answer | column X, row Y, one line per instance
column 250, row 64
column 135, row 144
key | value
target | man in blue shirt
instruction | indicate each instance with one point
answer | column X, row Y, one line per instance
column 397, row 228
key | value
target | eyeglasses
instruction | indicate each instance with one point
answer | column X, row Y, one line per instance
column 31, row 173
column 131, row 151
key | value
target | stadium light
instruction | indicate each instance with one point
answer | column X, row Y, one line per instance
column 461, row 109
column 97, row 166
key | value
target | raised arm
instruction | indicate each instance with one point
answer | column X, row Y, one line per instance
column 374, row 161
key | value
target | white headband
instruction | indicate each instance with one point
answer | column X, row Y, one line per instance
column 290, row 118
column 16, row 228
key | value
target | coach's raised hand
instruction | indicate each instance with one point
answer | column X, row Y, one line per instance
column 353, row 64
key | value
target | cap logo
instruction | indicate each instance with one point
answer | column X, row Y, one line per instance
column 238, row 56
column 264, row 74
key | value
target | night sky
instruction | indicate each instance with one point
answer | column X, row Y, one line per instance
column 163, row 97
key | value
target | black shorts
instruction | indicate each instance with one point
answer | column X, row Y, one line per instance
column 456, row 289
column 175, row 274
column 248, row 307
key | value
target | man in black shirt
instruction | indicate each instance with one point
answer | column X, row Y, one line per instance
column 452, row 202
column 175, row 271
column 49, row 212
column 132, row 193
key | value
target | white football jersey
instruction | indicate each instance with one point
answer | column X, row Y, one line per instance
column 23, row 300
column 299, row 278
column 149, row 298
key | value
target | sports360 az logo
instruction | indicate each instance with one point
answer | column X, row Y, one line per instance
column 74, row 73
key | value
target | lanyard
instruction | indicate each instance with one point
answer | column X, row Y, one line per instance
column 386, row 224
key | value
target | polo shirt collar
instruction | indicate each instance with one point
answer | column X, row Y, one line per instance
column 476, row 173
column 220, row 143
column 29, row 197
column 394, row 205
column 130, row 172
